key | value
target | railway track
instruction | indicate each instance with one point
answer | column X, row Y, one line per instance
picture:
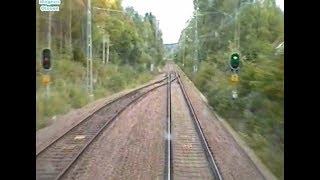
column 188, row 155
column 54, row 160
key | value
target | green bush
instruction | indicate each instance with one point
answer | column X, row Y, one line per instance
column 78, row 55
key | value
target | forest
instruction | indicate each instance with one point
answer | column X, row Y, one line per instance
column 124, row 46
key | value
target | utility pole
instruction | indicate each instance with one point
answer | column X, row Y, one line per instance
column 184, row 47
column 49, row 47
column 239, row 33
column 103, row 50
column 49, row 29
column 89, row 51
column 237, row 29
column 195, row 67
column 184, row 52
column 156, row 40
column 104, row 57
column 108, row 45
column 70, row 29
column 156, row 43
column 156, row 34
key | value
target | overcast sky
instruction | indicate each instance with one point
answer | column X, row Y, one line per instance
column 172, row 14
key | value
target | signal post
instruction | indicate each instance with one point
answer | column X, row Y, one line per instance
column 234, row 67
column 46, row 65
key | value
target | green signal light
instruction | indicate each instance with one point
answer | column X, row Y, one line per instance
column 234, row 61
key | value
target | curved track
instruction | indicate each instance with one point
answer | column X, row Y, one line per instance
column 54, row 160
